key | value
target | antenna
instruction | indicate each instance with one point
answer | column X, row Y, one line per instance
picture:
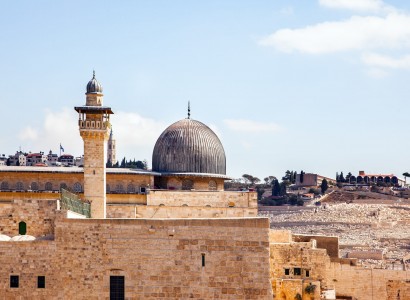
column 189, row 110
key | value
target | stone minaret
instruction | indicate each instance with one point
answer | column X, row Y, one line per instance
column 94, row 124
column 111, row 150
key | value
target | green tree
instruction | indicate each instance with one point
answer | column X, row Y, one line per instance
column 282, row 186
column 123, row 163
column 324, row 186
column 109, row 164
column 341, row 177
column 275, row 188
column 302, row 174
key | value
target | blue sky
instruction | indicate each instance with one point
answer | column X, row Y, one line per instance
column 320, row 86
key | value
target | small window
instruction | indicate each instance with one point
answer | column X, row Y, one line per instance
column 77, row 187
column 297, row 271
column 130, row 188
column 34, row 186
column 49, row 186
column 4, row 185
column 117, row 288
column 287, row 272
column 119, row 189
column 307, row 273
column 41, row 282
column 22, row 228
column 14, row 281
column 63, row 186
column 19, row 186
column 203, row 259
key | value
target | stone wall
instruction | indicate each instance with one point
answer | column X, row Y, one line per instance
column 203, row 198
column 199, row 183
column 330, row 243
column 160, row 259
column 194, row 212
column 290, row 263
column 39, row 216
column 70, row 178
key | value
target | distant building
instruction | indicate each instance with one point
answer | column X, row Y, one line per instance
column 52, row 159
column 3, row 160
column 375, row 178
column 66, row 160
column 33, row 159
column 18, row 159
column 111, row 150
column 310, row 179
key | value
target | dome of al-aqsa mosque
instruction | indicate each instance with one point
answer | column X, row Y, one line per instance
column 189, row 146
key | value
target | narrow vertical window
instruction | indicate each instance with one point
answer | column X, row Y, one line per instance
column 117, row 288
column 22, row 228
column 14, row 281
column 41, row 282
column 203, row 259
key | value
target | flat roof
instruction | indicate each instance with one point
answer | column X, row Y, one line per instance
column 73, row 169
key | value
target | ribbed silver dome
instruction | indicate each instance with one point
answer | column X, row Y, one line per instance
column 93, row 86
column 189, row 146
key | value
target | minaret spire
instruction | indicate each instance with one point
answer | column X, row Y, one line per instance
column 93, row 74
column 189, row 110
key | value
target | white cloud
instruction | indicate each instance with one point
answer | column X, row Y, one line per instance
column 356, row 33
column 385, row 61
column 135, row 135
column 58, row 127
column 251, row 126
column 356, row 5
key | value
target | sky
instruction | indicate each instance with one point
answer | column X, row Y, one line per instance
column 316, row 85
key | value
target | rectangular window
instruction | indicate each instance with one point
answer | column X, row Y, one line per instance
column 117, row 288
column 287, row 272
column 307, row 273
column 203, row 259
column 14, row 281
column 41, row 282
column 297, row 271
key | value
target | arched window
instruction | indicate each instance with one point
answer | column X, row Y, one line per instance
column 49, row 186
column 63, row 186
column 119, row 188
column 107, row 188
column 187, row 184
column 22, row 228
column 212, row 185
column 77, row 187
column 19, row 186
column 4, row 186
column 34, row 186
column 130, row 188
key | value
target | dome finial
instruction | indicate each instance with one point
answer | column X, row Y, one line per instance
column 189, row 110
column 93, row 74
